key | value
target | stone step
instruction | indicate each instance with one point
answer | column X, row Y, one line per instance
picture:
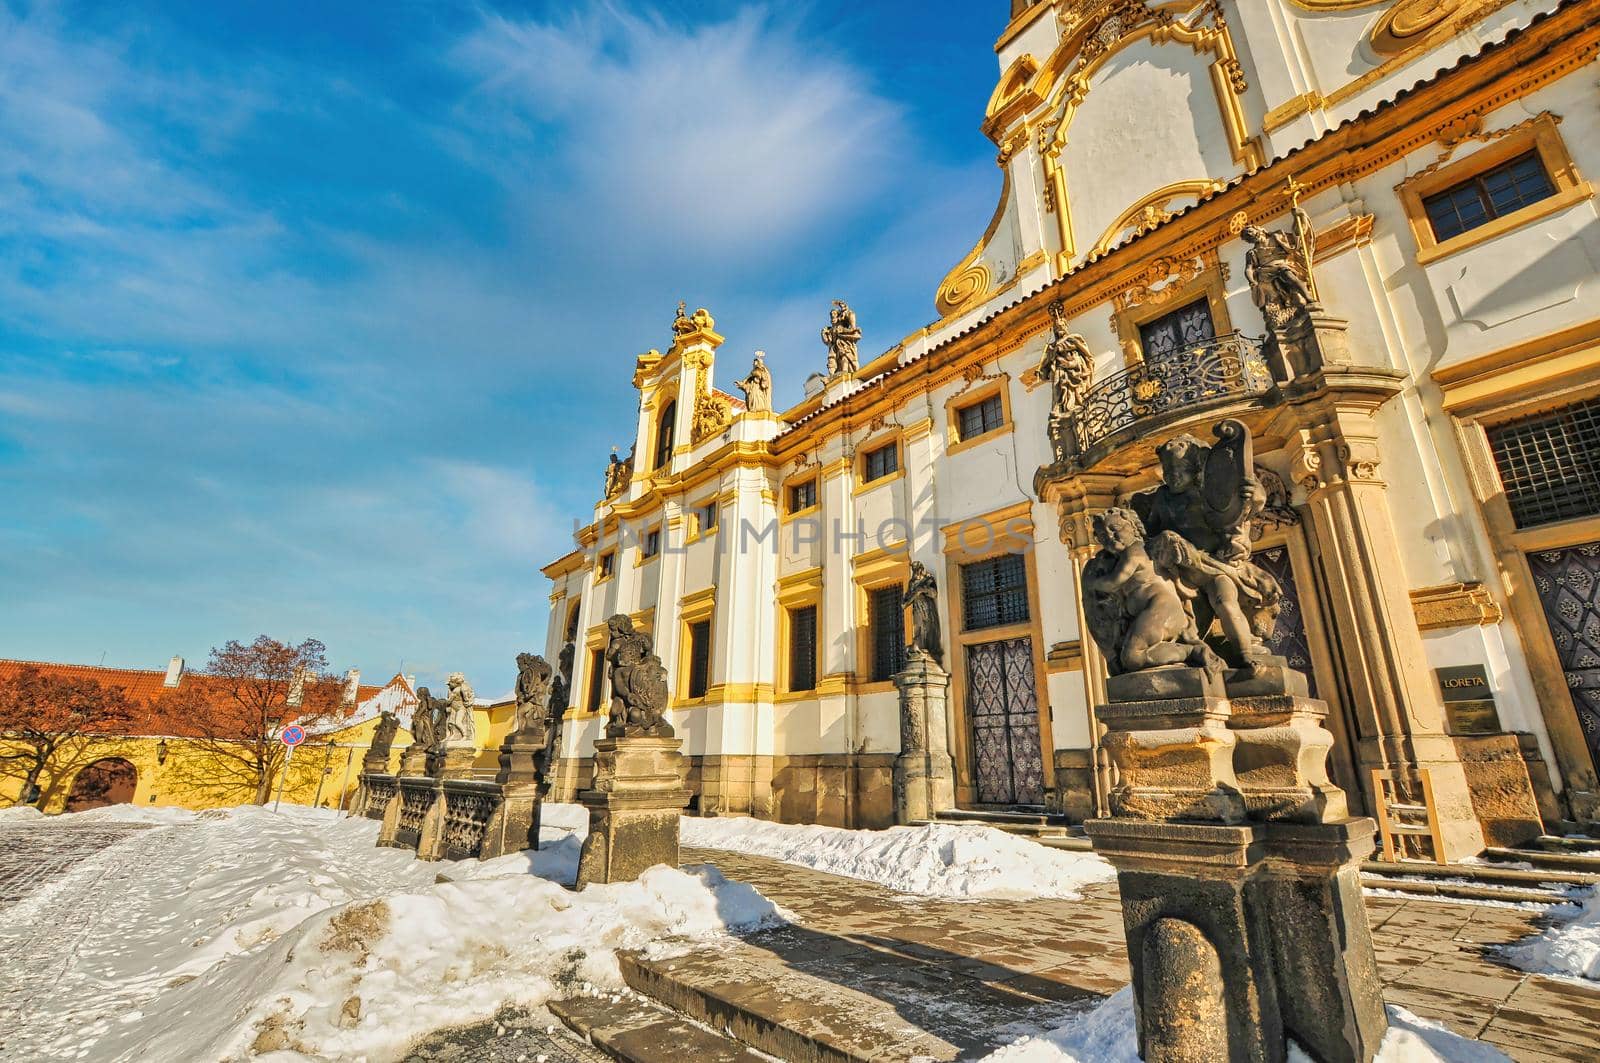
column 1482, row 874
column 636, row 1031
column 1025, row 824
column 1559, row 844
column 1068, row 843
column 815, row 998
column 1465, row 891
column 1543, row 859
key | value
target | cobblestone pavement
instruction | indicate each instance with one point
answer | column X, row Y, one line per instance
column 32, row 855
column 513, row 1037
column 1439, row 960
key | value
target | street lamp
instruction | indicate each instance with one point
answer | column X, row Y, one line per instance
column 161, row 752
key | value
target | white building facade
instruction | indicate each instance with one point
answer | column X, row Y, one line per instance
column 1434, row 509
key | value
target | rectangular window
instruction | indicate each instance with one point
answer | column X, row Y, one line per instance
column 572, row 621
column 994, row 593
column 1548, row 464
column 1188, row 326
column 699, row 658
column 885, row 461
column 802, row 496
column 597, row 676
column 651, row 545
column 886, row 625
column 608, row 564
column 981, row 418
column 1492, row 194
column 706, row 515
column 803, row 648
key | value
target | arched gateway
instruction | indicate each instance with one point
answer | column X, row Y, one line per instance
column 109, row 781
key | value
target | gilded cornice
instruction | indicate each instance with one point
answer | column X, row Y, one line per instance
column 1455, row 605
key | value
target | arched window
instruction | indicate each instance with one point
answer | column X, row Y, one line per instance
column 664, row 433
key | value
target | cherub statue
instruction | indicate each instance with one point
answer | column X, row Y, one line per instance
column 922, row 596
column 1069, row 367
column 757, row 387
column 1198, row 521
column 534, row 685
column 1137, row 615
column 842, row 338
column 638, row 683
column 460, row 727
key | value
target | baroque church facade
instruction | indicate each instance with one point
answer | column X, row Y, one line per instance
column 1426, row 446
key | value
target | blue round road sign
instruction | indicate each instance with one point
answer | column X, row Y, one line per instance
column 293, row 735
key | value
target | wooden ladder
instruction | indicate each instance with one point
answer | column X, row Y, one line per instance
column 1399, row 819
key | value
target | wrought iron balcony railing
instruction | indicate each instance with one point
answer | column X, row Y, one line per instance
column 1229, row 366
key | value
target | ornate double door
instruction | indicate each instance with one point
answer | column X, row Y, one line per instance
column 1003, row 714
column 1568, row 583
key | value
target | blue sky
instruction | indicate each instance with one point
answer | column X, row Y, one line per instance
column 319, row 319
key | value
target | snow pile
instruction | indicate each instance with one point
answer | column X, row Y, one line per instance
column 1108, row 1035
column 233, row 931
column 1571, row 947
column 17, row 815
column 937, row 860
column 368, row 979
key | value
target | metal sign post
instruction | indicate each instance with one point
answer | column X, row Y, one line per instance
column 292, row 736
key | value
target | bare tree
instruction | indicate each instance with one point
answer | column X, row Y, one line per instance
column 49, row 720
column 235, row 711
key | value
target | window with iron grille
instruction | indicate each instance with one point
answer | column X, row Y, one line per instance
column 803, row 648
column 1491, row 194
column 980, row 418
column 886, row 626
column 885, row 461
column 802, row 496
column 994, row 593
column 652, row 543
column 699, row 658
column 1187, row 326
column 1547, row 464
column 597, row 676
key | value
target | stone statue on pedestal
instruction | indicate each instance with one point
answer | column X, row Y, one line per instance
column 757, row 387
column 425, row 720
column 1277, row 266
column 638, row 683
column 1197, row 526
column 534, row 680
column 1069, row 367
column 461, row 730
column 383, row 736
column 922, row 596
column 842, row 338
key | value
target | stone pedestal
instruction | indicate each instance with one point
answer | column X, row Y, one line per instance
column 1198, row 939
column 1281, row 759
column 633, row 808
column 1172, row 748
column 514, row 826
column 1327, row 975
column 406, row 816
column 456, row 762
column 924, row 772
column 415, row 761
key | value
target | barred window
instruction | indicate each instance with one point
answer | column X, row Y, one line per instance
column 1185, row 327
column 1492, row 194
column 886, row 625
column 885, row 461
column 1547, row 464
column 699, row 658
column 994, row 593
column 803, row 648
column 980, row 418
column 597, row 677
column 802, row 496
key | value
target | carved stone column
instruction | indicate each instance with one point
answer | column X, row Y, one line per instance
column 1336, row 463
column 634, row 806
column 924, row 773
column 514, row 825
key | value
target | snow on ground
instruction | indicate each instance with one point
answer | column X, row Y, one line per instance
column 1108, row 1035
column 1570, row 947
column 242, row 930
